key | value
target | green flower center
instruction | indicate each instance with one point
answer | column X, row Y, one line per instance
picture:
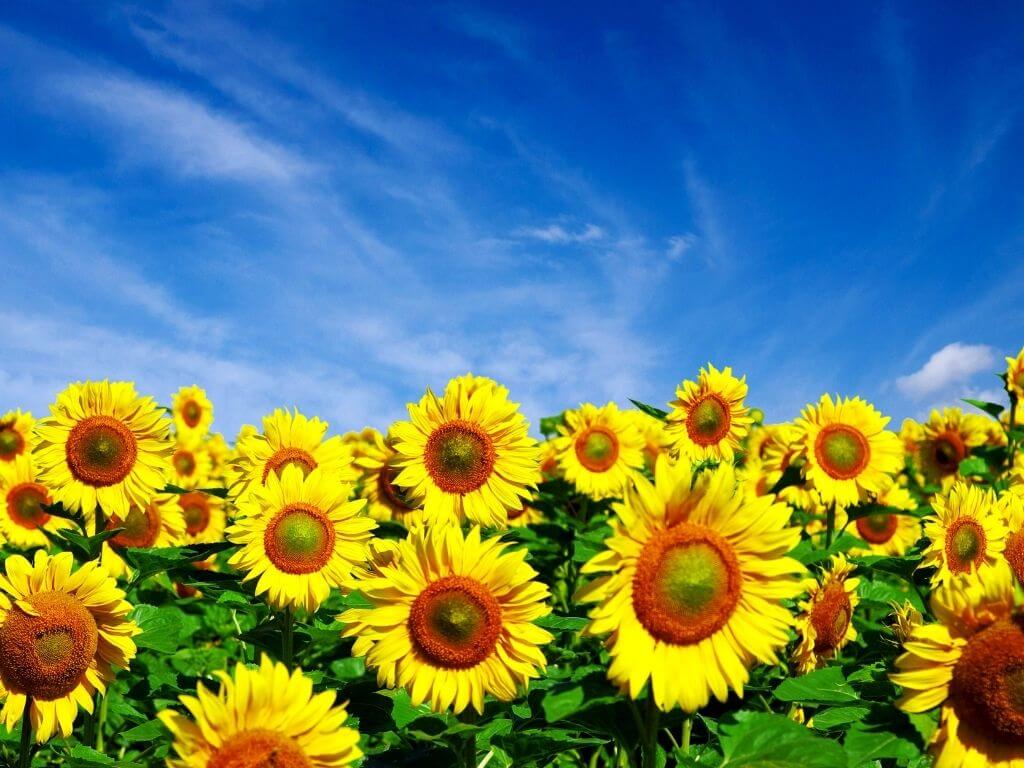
column 965, row 545
column 300, row 535
column 101, row 451
column 691, row 578
column 709, row 420
column 456, row 617
column 597, row 449
column 455, row 622
column 300, row 539
column 54, row 647
column 459, row 456
column 842, row 451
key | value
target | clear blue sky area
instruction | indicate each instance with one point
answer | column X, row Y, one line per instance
column 335, row 205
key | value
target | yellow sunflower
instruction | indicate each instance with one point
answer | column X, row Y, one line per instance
column 969, row 662
column 159, row 523
column 946, row 440
column 452, row 618
column 61, row 636
column 288, row 439
column 600, row 450
column 193, row 413
column 299, row 536
column 1010, row 509
column 849, row 453
column 191, row 465
column 782, row 451
column 549, row 468
column 1015, row 375
column 384, row 500
column 886, row 533
column 204, row 517
column 966, row 533
column 219, row 452
column 262, row 717
column 15, row 436
column 708, row 418
column 825, row 625
column 656, row 439
column 691, row 580
column 103, row 445
column 762, row 437
column 22, row 519
column 467, row 456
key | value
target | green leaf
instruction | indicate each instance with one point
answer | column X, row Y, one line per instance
column 992, row 409
column 549, row 425
column 974, row 465
column 864, row 747
column 402, row 710
column 762, row 740
column 561, row 702
column 833, row 717
column 824, row 686
column 148, row 562
column 81, row 756
column 149, row 731
column 84, row 548
column 161, row 627
column 650, row 410
column 562, row 623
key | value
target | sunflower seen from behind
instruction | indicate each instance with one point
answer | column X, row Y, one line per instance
column 689, row 587
column 969, row 662
column 193, row 413
column 825, row 625
column 600, row 450
column 467, row 455
column 261, row 718
column 709, row 419
column 850, row 454
column 22, row 498
column 63, row 632
column 103, row 445
column 452, row 618
column 16, row 437
column 299, row 536
column 966, row 534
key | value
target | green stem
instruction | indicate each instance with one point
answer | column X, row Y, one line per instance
column 651, row 735
column 687, row 731
column 287, row 638
column 101, row 721
column 25, row 759
column 830, row 525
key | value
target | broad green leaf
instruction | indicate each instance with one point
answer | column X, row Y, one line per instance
column 864, row 746
column 992, row 409
column 148, row 731
column 562, row 701
column 762, row 740
column 836, row 716
column 974, row 465
column 823, row 686
column 161, row 627
column 562, row 623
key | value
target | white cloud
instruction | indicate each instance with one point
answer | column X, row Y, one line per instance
column 556, row 233
column 953, row 364
column 679, row 245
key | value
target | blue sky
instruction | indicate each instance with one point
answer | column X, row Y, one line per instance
column 335, row 205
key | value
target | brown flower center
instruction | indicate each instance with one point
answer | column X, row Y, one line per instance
column 141, row 527
column 966, row 545
column 285, row 457
column 459, row 456
column 191, row 413
column 687, row 584
column 455, row 622
column 947, row 451
column 389, row 494
column 12, row 444
column 842, row 451
column 184, row 462
column 709, row 420
column 1014, row 554
column 830, row 616
column 877, row 528
column 24, row 505
column 300, row 539
column 987, row 689
column 259, row 748
column 597, row 449
column 101, row 451
column 195, row 508
column 45, row 656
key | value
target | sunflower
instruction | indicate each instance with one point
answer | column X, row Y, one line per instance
column 159, row 523
column 946, row 440
column 825, row 625
column 911, row 435
column 204, row 517
column 600, row 450
column 61, row 635
column 219, row 451
column 969, row 663
column 191, row 465
column 1010, row 509
column 22, row 518
column 193, row 413
column 656, row 438
column 288, row 440
column 691, row 579
column 15, row 436
column 384, row 500
column 1015, row 375
column 708, row 418
column 103, row 445
column 528, row 515
column 451, row 619
column 784, row 450
column 549, row 468
column 887, row 533
column 966, row 533
column 467, row 456
column 262, row 717
column 299, row 536
column 849, row 452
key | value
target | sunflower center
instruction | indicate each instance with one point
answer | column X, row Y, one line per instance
column 289, row 457
column 459, row 456
column 830, row 617
column 11, row 443
column 597, row 449
column 300, row 539
column 101, row 451
column 259, row 748
column 196, row 511
column 24, row 505
column 389, row 493
column 1014, row 553
column 191, row 413
column 184, row 462
column 141, row 527
column 455, row 622
column 965, row 545
column 709, row 420
column 687, row 584
column 948, row 450
column 842, row 451
column 45, row 656
column 987, row 689
column 877, row 528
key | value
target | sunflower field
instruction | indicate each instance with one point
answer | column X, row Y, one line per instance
column 642, row 587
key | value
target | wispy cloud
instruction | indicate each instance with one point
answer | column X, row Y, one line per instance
column 556, row 233
column 952, row 365
column 680, row 245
